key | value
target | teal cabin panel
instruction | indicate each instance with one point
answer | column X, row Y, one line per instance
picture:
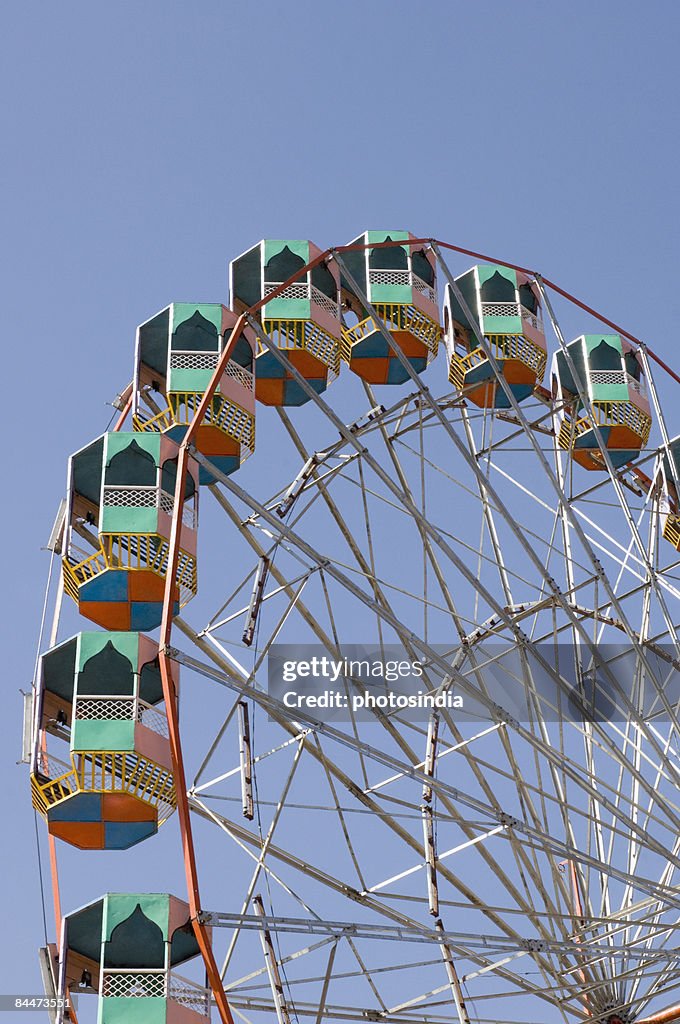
column 182, row 311
column 129, row 520
column 91, row 643
column 287, row 309
column 375, row 237
column 274, row 247
column 502, row 325
column 193, row 381
column 103, row 735
column 486, row 271
column 119, row 906
column 135, row 1010
column 115, row 443
column 400, row 294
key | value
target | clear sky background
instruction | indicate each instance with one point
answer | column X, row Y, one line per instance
column 144, row 144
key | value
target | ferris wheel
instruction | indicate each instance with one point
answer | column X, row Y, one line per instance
column 476, row 568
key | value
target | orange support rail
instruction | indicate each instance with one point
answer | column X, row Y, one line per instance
column 171, row 696
column 127, row 397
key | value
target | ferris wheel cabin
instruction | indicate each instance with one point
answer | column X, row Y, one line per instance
column 504, row 306
column 125, row 947
column 400, row 284
column 606, row 369
column 177, row 352
column 670, row 494
column 101, row 694
column 121, row 497
column 303, row 320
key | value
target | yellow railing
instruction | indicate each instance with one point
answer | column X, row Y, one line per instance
column 306, row 335
column 159, row 423
column 624, row 414
column 47, row 794
column 222, row 413
column 521, row 348
column 671, row 530
column 460, row 365
column 74, row 574
column 607, row 414
column 503, row 346
column 136, row 552
column 395, row 317
column 109, row 771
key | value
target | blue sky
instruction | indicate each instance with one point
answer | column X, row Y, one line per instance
column 146, row 144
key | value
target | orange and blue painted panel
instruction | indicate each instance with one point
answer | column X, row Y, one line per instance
column 100, row 821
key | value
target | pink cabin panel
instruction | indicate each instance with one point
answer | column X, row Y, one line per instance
column 150, row 743
column 235, row 392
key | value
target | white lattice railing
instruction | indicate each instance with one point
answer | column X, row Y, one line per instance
column 116, row 708
column 533, row 318
column 638, row 386
column 133, row 984
column 130, row 497
column 152, row 718
column 296, row 290
column 405, row 278
column 424, row 288
column 302, row 290
column 208, row 361
column 512, row 309
column 500, row 309
column 240, row 374
column 143, row 984
column 387, row 277
column 104, row 709
column 189, row 994
column 183, row 360
column 148, row 497
column 604, row 377
column 50, row 766
column 325, row 301
column 167, row 504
